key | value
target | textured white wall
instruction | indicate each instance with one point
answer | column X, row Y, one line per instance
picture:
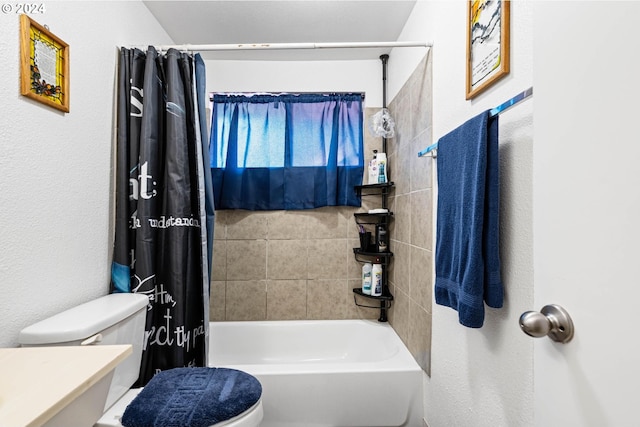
column 482, row 377
column 55, row 168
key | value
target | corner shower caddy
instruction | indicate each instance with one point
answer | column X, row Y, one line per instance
column 377, row 219
column 383, row 258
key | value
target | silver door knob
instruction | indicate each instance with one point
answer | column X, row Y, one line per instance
column 552, row 321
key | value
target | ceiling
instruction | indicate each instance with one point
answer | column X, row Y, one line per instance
column 278, row 21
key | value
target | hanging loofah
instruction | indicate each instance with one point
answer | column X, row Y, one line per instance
column 382, row 124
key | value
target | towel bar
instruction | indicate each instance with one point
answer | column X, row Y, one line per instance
column 432, row 150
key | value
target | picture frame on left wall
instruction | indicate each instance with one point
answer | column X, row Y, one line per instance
column 488, row 44
column 44, row 65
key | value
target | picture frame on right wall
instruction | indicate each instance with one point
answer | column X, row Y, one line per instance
column 487, row 44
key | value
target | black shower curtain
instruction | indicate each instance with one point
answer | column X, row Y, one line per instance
column 164, row 211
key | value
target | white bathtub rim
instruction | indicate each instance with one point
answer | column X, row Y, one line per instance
column 401, row 360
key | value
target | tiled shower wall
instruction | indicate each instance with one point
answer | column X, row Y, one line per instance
column 283, row 265
column 411, row 232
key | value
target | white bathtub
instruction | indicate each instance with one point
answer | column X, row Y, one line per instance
column 325, row 373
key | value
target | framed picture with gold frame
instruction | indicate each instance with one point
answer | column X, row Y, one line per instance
column 44, row 65
column 487, row 44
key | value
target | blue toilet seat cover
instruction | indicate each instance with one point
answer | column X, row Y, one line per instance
column 192, row 397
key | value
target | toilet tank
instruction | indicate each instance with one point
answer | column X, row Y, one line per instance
column 109, row 320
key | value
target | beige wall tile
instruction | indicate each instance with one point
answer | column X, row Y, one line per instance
column 220, row 225
column 421, row 219
column 402, row 218
column 326, row 299
column 249, row 225
column 246, row 300
column 327, row 259
column 219, row 259
column 421, row 280
column 326, row 223
column 421, row 93
column 287, row 225
column 422, row 167
column 402, row 177
column 217, row 300
column 400, row 111
column 346, row 212
column 420, row 336
column 286, row 299
column 246, row 259
column 287, row 259
column 392, row 151
column 399, row 314
column 400, row 268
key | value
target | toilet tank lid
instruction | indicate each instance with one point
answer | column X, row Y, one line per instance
column 83, row 321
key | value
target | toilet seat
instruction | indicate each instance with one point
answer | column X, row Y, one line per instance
column 111, row 418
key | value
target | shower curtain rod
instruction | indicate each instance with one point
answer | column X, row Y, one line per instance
column 285, row 46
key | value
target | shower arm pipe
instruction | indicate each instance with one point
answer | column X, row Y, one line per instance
column 289, row 46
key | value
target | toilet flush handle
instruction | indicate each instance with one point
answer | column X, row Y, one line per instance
column 96, row 339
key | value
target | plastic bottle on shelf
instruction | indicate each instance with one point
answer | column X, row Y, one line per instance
column 373, row 168
column 382, row 239
column 381, row 160
column 366, row 278
column 376, row 280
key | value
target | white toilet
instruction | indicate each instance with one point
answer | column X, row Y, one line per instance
column 110, row 320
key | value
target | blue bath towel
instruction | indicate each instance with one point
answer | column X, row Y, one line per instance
column 467, row 239
column 192, row 397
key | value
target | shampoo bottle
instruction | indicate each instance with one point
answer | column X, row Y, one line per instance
column 366, row 278
column 373, row 169
column 381, row 159
column 376, row 280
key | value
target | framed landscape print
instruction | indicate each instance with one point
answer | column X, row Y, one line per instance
column 487, row 44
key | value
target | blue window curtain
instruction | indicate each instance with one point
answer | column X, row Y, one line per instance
column 286, row 151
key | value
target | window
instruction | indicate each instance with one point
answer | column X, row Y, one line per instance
column 286, row 151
